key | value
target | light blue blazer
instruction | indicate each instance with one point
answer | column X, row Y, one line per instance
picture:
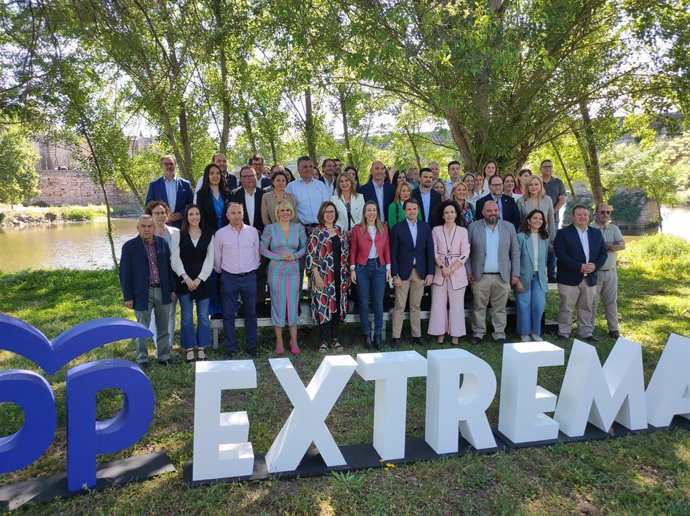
column 527, row 260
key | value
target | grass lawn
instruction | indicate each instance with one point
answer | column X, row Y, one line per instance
column 639, row 474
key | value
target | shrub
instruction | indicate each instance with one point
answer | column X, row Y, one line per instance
column 78, row 213
column 666, row 254
column 2, row 217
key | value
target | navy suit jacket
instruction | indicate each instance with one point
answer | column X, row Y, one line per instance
column 434, row 216
column 134, row 272
column 185, row 196
column 367, row 190
column 404, row 252
column 511, row 213
column 258, row 221
column 571, row 256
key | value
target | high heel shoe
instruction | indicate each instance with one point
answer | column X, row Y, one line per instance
column 294, row 348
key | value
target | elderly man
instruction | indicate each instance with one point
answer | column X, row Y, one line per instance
column 581, row 252
column 175, row 191
column 148, row 283
column 607, row 277
column 494, row 266
column 429, row 199
column 377, row 190
column 507, row 208
column 236, row 259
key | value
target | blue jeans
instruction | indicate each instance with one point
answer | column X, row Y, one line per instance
column 232, row 286
column 188, row 338
column 371, row 282
column 530, row 307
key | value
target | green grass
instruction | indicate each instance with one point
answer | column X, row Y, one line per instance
column 638, row 474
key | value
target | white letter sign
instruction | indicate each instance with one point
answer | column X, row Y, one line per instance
column 668, row 392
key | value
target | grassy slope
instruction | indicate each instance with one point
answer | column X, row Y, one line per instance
column 636, row 474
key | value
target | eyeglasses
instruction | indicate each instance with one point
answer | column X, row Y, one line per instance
column 168, row 163
column 605, row 212
column 245, row 176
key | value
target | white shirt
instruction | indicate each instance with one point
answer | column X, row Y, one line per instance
column 584, row 240
column 249, row 202
column 373, row 253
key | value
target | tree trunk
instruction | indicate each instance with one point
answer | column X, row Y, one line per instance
column 346, row 131
column 565, row 172
column 310, row 126
column 417, row 158
column 463, row 142
column 185, row 167
column 223, row 64
column 593, row 170
column 250, row 132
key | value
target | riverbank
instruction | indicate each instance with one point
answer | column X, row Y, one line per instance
column 19, row 216
column 637, row 474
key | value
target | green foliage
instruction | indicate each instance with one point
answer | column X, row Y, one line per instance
column 18, row 175
column 662, row 250
column 627, row 205
column 82, row 213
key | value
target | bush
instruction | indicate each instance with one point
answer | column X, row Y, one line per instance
column 666, row 253
column 78, row 213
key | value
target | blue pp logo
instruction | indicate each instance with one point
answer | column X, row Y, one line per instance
column 86, row 437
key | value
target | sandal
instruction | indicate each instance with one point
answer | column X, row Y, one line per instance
column 323, row 348
column 190, row 356
column 294, row 348
column 201, row 354
column 337, row 346
column 279, row 350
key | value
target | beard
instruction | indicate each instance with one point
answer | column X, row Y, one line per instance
column 492, row 220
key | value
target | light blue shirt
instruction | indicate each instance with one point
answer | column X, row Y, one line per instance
column 378, row 190
column 426, row 203
column 171, row 193
column 492, row 241
column 413, row 232
column 309, row 197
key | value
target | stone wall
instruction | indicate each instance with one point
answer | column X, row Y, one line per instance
column 61, row 187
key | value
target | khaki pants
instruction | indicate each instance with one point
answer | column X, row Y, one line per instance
column 415, row 287
column 582, row 296
column 607, row 290
column 489, row 289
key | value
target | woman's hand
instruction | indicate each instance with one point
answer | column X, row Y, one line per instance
column 318, row 281
column 190, row 284
column 353, row 276
column 388, row 276
column 519, row 286
column 288, row 257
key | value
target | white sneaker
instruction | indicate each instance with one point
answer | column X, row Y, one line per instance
column 535, row 337
column 525, row 338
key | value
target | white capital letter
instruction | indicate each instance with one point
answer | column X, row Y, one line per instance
column 446, row 405
column 221, row 449
column 391, row 371
column 521, row 415
column 311, row 407
column 668, row 392
column 600, row 395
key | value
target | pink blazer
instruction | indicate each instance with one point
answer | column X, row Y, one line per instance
column 454, row 248
column 360, row 245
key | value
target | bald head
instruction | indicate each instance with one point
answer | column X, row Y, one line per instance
column 378, row 171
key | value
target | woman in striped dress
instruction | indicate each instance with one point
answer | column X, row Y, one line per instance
column 284, row 243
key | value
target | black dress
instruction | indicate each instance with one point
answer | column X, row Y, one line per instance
column 192, row 258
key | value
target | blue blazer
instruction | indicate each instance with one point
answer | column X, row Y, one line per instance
column 185, row 196
column 571, row 256
column 511, row 213
column 435, row 218
column 404, row 252
column 367, row 190
column 527, row 260
column 134, row 272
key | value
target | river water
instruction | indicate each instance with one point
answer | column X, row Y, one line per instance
column 85, row 245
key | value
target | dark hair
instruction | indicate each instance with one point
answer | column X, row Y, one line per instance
column 544, row 161
column 302, row 159
column 276, row 165
column 246, row 167
column 494, row 177
column 524, row 171
column 578, row 207
column 322, row 209
column 397, row 175
column 222, row 186
column 454, row 162
column 185, row 223
column 291, row 176
column 153, row 204
column 254, row 158
column 412, row 200
column 510, row 175
column 424, row 169
column 445, row 204
column 279, row 173
column 543, row 230
column 466, row 176
column 487, row 164
column 323, row 163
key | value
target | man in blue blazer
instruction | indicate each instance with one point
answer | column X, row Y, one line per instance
column 429, row 199
column 412, row 266
column 175, row 191
column 148, row 282
column 507, row 208
column 580, row 251
column 377, row 189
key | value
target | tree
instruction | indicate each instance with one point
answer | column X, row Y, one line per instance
column 18, row 159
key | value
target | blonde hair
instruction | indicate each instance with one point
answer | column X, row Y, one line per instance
column 353, row 185
column 541, row 185
column 399, row 188
column 455, row 187
column 284, row 203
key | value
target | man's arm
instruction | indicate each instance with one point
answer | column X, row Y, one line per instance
column 561, row 197
column 126, row 276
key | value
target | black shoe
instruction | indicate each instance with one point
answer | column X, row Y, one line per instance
column 475, row 340
column 552, row 279
column 591, row 338
column 500, row 342
column 143, row 365
column 615, row 334
column 165, row 363
column 217, row 316
column 253, row 353
column 231, row 355
column 378, row 341
column 417, row 341
column 367, row 341
column 395, row 343
column 562, row 338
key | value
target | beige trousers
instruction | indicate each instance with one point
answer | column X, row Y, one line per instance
column 490, row 289
column 582, row 297
column 415, row 287
column 607, row 290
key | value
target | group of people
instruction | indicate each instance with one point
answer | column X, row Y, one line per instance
column 230, row 243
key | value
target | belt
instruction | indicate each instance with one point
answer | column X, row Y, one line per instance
column 155, row 285
column 310, row 225
column 493, row 273
column 240, row 274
